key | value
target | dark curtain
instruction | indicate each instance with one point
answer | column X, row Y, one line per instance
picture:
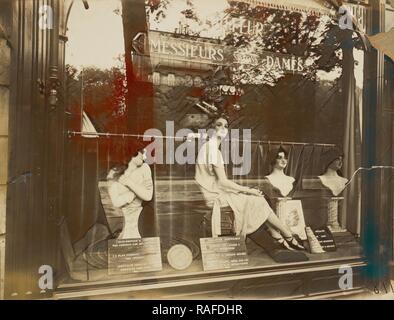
column 351, row 213
column 304, row 160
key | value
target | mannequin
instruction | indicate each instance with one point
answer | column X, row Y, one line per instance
column 335, row 183
column 277, row 178
column 130, row 190
column 279, row 186
column 331, row 179
column 252, row 213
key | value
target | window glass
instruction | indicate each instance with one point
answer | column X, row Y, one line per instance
column 153, row 91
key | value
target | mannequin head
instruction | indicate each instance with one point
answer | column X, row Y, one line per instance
column 138, row 158
column 332, row 178
column 336, row 164
column 333, row 160
column 279, row 158
column 135, row 152
column 280, row 161
column 220, row 125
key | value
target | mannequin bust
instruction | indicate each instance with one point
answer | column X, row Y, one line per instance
column 278, row 179
column 279, row 186
column 331, row 179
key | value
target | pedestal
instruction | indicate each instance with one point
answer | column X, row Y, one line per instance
column 332, row 213
column 279, row 204
column 130, row 228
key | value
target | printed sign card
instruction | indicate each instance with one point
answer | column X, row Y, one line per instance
column 223, row 253
column 326, row 239
column 290, row 212
column 134, row 255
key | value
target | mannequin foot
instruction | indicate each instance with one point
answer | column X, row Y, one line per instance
column 293, row 243
column 283, row 243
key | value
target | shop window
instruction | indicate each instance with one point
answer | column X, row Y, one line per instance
column 290, row 152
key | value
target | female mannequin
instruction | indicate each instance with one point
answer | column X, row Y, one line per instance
column 335, row 183
column 333, row 158
column 279, row 186
column 250, row 208
column 282, row 185
column 129, row 191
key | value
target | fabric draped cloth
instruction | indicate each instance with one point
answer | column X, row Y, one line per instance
column 250, row 211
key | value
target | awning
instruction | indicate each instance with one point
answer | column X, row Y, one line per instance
column 384, row 42
column 317, row 7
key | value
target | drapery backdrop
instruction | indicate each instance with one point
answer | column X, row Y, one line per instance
column 175, row 189
column 351, row 215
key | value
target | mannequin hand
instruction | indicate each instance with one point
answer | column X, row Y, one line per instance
column 126, row 181
column 123, row 180
column 255, row 192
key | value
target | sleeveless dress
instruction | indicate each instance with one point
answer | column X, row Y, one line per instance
column 250, row 211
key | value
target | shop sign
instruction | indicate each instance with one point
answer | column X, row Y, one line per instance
column 167, row 47
column 275, row 61
column 176, row 48
column 250, row 27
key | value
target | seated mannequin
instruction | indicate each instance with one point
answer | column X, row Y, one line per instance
column 251, row 211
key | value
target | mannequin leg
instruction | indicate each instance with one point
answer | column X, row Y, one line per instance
column 279, row 225
column 274, row 233
column 263, row 239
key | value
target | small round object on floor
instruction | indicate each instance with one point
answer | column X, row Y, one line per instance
column 179, row 257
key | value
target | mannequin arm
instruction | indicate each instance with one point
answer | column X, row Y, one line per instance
column 227, row 184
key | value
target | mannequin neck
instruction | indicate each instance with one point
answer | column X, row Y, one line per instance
column 331, row 173
column 278, row 172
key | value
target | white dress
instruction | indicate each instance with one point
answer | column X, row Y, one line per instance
column 250, row 211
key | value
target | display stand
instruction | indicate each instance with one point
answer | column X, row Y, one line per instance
column 332, row 213
column 332, row 203
column 279, row 207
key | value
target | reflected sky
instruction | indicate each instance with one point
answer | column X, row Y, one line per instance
column 95, row 35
